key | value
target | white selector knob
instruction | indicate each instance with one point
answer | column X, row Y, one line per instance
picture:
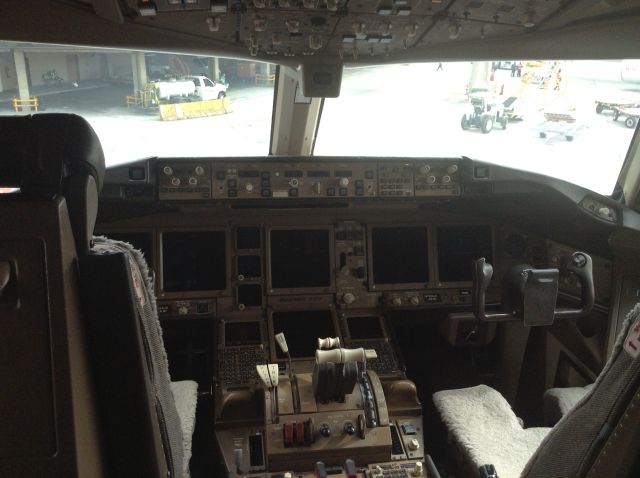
column 199, row 170
column 175, row 181
column 349, row 298
column 604, row 211
column 293, row 182
column 414, row 300
column 417, row 469
column 344, row 182
column 183, row 310
column 451, row 170
column 397, row 301
column 431, row 179
column 168, row 170
column 193, row 181
column 249, row 187
column 425, row 169
column 414, row 444
column 446, row 179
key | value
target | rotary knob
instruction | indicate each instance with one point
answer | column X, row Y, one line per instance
column 414, row 444
column 397, row 301
column 168, row 170
column 193, row 181
column 446, row 179
column 183, row 310
column 293, row 182
column 349, row 428
column 349, row 298
column 425, row 169
column 199, row 170
column 249, row 187
column 431, row 179
column 344, row 182
column 325, row 431
column 417, row 469
column 175, row 181
column 452, row 169
column 414, row 300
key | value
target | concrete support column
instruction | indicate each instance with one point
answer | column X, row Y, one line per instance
column 215, row 68
column 139, row 69
column 21, row 73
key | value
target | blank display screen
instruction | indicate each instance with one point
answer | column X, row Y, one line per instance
column 458, row 247
column 400, row 255
column 300, row 258
column 302, row 330
column 365, row 328
column 242, row 333
column 194, row 261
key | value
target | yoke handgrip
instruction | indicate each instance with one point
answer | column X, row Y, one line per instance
column 482, row 274
column 582, row 266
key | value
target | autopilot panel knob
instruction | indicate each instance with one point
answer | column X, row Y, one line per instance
column 414, row 444
column 294, row 183
column 349, row 298
column 397, row 301
column 249, row 187
column 446, row 179
column 349, row 428
column 183, row 310
column 343, row 182
column 452, row 169
column 415, row 300
column 431, row 179
column 325, row 430
column 425, row 169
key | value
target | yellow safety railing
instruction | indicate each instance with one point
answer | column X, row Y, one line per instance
column 143, row 98
column 267, row 79
column 20, row 103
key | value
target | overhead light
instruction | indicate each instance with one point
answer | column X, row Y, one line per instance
column 214, row 23
column 529, row 21
column 218, row 6
column 147, row 8
column 260, row 23
column 293, row 26
column 454, row 29
column 315, row 41
column 332, row 5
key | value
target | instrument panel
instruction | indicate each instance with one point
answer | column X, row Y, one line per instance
column 200, row 180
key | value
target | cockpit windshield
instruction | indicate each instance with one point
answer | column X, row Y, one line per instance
column 572, row 120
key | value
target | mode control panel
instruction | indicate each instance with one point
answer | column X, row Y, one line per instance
column 184, row 180
column 186, row 308
column 294, row 180
column 436, row 179
column 396, row 179
column 421, row 298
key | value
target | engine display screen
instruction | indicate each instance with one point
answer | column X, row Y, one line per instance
column 242, row 333
column 365, row 328
column 300, row 258
column 458, row 247
column 302, row 330
column 400, row 255
column 194, row 261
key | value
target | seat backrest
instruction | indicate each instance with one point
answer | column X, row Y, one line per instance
column 143, row 430
column 49, row 424
column 601, row 434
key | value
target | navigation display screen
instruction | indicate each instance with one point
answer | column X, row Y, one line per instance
column 242, row 333
column 300, row 258
column 302, row 330
column 194, row 261
column 365, row 328
column 400, row 255
column 458, row 247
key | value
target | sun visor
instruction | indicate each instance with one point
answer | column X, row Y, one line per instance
column 321, row 80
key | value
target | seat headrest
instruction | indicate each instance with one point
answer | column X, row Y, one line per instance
column 39, row 153
column 46, row 155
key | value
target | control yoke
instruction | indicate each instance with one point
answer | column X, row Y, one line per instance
column 530, row 294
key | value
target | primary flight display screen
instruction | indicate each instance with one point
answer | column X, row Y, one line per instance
column 458, row 247
column 302, row 330
column 300, row 258
column 400, row 255
column 194, row 261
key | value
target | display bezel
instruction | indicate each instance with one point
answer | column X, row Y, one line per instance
column 439, row 226
column 401, row 285
column 196, row 293
column 346, row 329
column 331, row 288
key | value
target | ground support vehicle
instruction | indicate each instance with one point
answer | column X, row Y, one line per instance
column 484, row 113
column 561, row 124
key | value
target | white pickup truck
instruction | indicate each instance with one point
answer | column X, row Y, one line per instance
column 190, row 87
